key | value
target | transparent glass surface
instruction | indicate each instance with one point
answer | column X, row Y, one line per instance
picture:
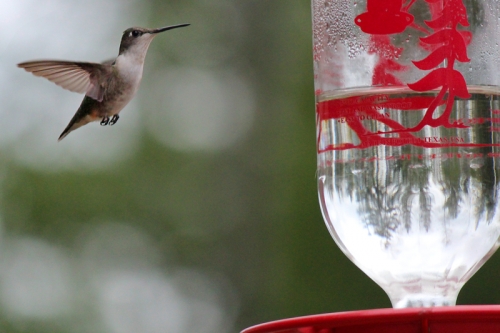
column 419, row 221
column 408, row 125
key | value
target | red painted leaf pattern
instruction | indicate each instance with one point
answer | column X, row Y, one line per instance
column 446, row 45
column 432, row 60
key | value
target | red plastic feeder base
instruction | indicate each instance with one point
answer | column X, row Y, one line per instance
column 447, row 319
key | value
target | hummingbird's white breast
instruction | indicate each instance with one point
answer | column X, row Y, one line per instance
column 129, row 68
column 129, row 65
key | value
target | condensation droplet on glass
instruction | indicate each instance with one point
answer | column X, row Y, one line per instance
column 357, row 171
column 416, row 166
column 476, row 163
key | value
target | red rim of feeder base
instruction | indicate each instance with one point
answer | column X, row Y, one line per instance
column 447, row 319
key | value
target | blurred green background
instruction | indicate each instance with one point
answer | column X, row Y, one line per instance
column 198, row 211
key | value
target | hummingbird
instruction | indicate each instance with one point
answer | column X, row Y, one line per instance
column 108, row 86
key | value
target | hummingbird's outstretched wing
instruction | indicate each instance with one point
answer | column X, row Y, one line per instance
column 80, row 77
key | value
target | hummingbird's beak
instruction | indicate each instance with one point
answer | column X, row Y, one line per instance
column 155, row 31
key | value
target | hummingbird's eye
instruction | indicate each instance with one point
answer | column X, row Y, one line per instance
column 136, row 33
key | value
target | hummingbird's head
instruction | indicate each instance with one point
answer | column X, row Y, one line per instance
column 137, row 39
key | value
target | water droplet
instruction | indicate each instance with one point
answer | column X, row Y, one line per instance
column 357, row 171
column 476, row 163
column 416, row 166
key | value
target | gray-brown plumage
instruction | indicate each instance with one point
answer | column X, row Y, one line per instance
column 109, row 86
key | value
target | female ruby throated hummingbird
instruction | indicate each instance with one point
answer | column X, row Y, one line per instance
column 109, row 86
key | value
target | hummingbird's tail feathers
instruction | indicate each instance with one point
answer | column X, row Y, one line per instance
column 86, row 113
column 77, row 121
column 63, row 135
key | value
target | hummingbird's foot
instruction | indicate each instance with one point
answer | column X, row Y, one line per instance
column 105, row 121
column 113, row 120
